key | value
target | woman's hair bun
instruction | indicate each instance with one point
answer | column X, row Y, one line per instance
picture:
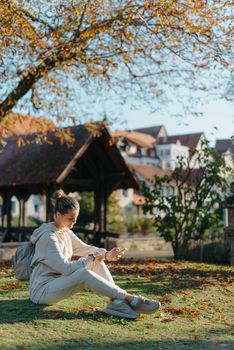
column 57, row 195
column 63, row 203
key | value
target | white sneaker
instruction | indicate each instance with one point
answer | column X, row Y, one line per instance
column 144, row 305
column 120, row 308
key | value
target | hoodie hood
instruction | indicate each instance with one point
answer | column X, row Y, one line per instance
column 47, row 227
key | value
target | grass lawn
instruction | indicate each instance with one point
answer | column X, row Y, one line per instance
column 197, row 312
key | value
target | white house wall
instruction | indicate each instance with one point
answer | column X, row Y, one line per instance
column 125, row 198
column 168, row 154
column 143, row 160
column 32, row 203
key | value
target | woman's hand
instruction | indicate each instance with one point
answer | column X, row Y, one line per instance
column 114, row 254
column 99, row 256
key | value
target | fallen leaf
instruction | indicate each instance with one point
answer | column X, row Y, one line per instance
column 166, row 298
column 94, row 308
column 83, row 311
column 227, row 292
column 187, row 294
column 184, row 311
column 55, row 316
column 229, row 324
column 226, row 284
column 168, row 319
column 150, row 325
column 15, row 285
column 220, row 317
column 139, row 319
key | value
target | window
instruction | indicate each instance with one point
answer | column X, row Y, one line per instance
column 171, row 191
column 13, row 206
column 125, row 193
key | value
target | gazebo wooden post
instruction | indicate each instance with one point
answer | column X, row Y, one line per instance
column 100, row 215
column 22, row 198
column 8, row 213
column 49, row 209
column 23, row 202
column 8, row 210
column 105, row 212
column 20, row 212
column 100, row 199
column 3, row 209
column 48, row 204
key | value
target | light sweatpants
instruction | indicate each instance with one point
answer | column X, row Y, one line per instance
column 96, row 278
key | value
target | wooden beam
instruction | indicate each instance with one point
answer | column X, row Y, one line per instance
column 81, row 182
column 74, row 160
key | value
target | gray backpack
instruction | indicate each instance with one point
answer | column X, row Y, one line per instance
column 21, row 261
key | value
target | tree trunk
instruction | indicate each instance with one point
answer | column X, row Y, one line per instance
column 57, row 56
column 183, row 248
column 27, row 82
column 180, row 248
column 175, row 247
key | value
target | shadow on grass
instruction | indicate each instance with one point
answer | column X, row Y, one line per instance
column 24, row 311
column 180, row 344
column 164, row 277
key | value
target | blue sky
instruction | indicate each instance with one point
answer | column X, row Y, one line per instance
column 217, row 114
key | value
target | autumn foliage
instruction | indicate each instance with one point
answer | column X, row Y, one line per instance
column 128, row 47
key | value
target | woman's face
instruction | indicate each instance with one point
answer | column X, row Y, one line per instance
column 66, row 220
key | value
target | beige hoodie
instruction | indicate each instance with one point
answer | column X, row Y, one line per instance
column 52, row 259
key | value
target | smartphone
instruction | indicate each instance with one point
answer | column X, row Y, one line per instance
column 123, row 250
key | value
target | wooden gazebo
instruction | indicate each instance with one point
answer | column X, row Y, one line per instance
column 91, row 164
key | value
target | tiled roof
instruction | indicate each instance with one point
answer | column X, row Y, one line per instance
column 138, row 138
column 189, row 140
column 43, row 163
column 192, row 176
column 148, row 171
column 224, row 145
column 152, row 130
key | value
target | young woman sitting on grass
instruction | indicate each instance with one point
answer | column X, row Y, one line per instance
column 56, row 277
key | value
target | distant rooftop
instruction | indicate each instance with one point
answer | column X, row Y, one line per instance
column 189, row 140
column 148, row 171
column 224, row 145
column 152, row 130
